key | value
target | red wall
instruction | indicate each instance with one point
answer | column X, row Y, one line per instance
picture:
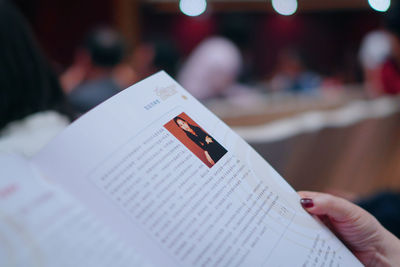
column 60, row 25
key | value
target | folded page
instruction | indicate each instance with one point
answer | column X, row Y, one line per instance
column 42, row 226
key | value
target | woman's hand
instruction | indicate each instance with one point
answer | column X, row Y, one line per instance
column 208, row 139
column 370, row 242
column 209, row 157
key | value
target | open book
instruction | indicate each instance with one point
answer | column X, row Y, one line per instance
column 152, row 178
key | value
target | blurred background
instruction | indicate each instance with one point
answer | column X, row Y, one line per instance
column 310, row 84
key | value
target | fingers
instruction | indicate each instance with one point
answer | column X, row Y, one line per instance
column 324, row 204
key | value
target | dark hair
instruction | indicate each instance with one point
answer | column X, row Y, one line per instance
column 27, row 84
column 179, row 118
column 105, row 46
column 392, row 19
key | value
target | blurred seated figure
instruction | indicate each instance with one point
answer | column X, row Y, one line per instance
column 92, row 79
column 151, row 56
column 31, row 99
column 212, row 68
column 292, row 76
column 390, row 74
column 374, row 50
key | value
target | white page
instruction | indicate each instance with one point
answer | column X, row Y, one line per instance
column 42, row 226
column 141, row 178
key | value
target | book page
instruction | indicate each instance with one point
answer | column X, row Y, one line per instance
column 42, row 226
column 182, row 187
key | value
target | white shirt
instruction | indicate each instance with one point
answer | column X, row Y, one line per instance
column 29, row 135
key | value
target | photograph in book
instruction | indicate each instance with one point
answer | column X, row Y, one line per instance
column 198, row 141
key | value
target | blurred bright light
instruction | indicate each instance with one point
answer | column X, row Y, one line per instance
column 193, row 7
column 380, row 5
column 285, row 7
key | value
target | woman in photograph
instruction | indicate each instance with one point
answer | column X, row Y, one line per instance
column 212, row 149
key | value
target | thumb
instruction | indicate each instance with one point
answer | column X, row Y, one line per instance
column 336, row 208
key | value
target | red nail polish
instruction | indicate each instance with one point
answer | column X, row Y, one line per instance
column 307, row 203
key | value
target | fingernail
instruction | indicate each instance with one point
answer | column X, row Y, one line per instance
column 307, row 203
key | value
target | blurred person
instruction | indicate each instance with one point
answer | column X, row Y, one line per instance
column 97, row 74
column 375, row 48
column 212, row 69
column 370, row 242
column 32, row 109
column 142, row 60
column 390, row 74
column 292, row 76
column 154, row 55
column 225, row 61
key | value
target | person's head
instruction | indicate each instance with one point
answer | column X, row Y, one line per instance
column 155, row 54
column 183, row 124
column 212, row 68
column 105, row 47
column 27, row 83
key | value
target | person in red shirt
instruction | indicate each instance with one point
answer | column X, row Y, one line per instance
column 391, row 77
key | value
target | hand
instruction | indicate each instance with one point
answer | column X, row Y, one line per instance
column 208, row 139
column 209, row 158
column 370, row 242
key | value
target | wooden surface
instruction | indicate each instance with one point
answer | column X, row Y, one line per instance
column 259, row 109
column 363, row 158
